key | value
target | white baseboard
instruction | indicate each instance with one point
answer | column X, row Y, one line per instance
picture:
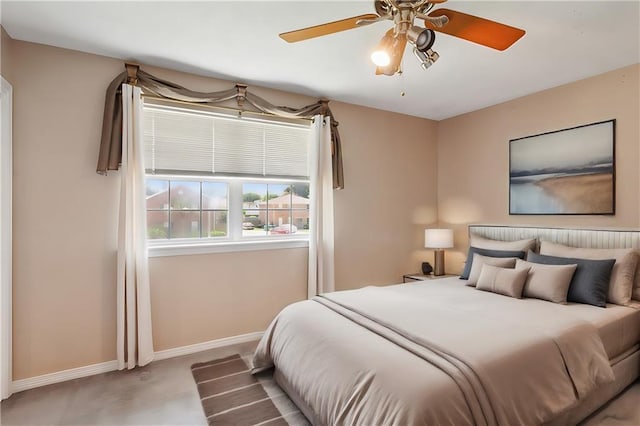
column 105, row 367
column 204, row 346
column 63, row 376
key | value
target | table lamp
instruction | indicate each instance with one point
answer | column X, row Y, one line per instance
column 438, row 239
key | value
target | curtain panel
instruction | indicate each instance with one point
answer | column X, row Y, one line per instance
column 110, row 156
column 133, row 323
column 321, row 275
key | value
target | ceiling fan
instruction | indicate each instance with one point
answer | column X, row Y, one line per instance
column 388, row 54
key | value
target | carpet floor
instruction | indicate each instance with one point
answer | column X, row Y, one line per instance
column 164, row 393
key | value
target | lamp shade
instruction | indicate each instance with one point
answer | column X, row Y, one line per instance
column 438, row 238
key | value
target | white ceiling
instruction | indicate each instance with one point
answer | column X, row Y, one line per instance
column 238, row 41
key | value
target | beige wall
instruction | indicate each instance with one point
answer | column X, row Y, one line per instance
column 473, row 153
column 65, row 221
column 64, row 217
column 389, row 196
column 204, row 297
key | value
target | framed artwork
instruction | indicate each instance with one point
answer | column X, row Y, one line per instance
column 565, row 172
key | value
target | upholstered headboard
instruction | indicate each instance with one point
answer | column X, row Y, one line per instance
column 588, row 238
column 591, row 238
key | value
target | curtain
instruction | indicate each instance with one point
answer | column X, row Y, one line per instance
column 110, row 156
column 321, row 251
column 134, row 338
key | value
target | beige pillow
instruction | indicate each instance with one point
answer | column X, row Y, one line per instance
column 547, row 282
column 509, row 282
column 623, row 272
column 479, row 260
column 519, row 245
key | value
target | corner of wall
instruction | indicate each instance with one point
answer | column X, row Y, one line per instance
column 5, row 47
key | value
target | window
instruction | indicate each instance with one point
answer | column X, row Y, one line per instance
column 275, row 209
column 186, row 209
column 219, row 179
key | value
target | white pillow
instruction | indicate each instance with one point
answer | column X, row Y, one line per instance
column 547, row 282
column 479, row 261
column 624, row 270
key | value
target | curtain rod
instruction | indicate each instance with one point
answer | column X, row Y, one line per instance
column 236, row 110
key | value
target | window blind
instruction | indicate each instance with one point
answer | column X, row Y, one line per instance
column 199, row 143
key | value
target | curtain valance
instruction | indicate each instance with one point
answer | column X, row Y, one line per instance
column 110, row 155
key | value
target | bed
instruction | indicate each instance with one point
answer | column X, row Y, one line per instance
column 441, row 352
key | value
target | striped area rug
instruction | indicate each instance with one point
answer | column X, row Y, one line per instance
column 231, row 395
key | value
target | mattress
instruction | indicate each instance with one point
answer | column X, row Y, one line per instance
column 618, row 326
column 358, row 357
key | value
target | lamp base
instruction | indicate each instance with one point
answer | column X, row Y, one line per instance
column 439, row 262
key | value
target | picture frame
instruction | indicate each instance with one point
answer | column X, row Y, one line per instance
column 564, row 172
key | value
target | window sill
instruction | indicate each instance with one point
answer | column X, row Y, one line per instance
column 228, row 247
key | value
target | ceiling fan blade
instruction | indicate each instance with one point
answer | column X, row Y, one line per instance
column 477, row 30
column 324, row 29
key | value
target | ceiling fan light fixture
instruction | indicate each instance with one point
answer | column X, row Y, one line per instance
column 381, row 58
column 427, row 58
column 421, row 38
column 382, row 55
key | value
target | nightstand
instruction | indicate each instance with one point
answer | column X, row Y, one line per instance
column 422, row 277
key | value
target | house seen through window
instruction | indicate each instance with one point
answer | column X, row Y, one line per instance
column 275, row 209
column 212, row 177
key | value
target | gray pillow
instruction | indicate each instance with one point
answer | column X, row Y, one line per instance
column 590, row 282
column 487, row 252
